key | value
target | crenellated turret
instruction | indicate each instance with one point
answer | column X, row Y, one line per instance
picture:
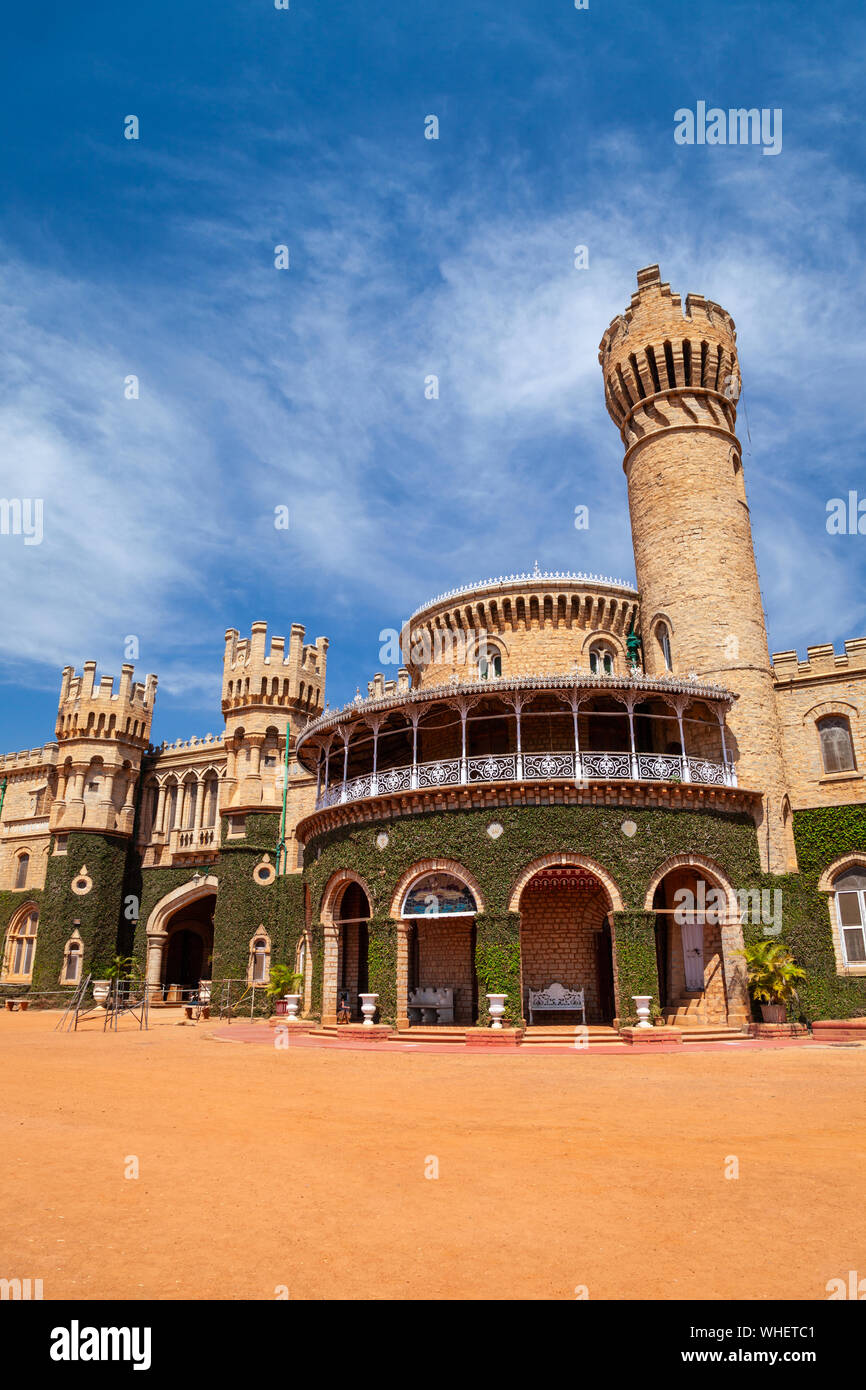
column 102, row 734
column 266, row 689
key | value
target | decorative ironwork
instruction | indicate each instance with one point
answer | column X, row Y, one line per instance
column 659, row 767
column 544, row 765
column 530, row 767
column 713, row 774
column 494, row 768
column 606, row 765
column 444, row 773
column 396, row 779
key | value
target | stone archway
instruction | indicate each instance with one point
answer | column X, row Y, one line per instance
column 566, row 859
column 698, row 914
column 566, row 939
column 181, row 910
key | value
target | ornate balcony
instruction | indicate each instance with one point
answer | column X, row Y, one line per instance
column 531, row 767
column 515, row 731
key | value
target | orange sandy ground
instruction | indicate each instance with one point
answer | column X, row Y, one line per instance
column 306, row 1168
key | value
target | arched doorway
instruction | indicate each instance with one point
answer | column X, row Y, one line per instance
column 691, row 911
column 565, row 938
column 187, row 955
column 351, row 917
column 440, row 908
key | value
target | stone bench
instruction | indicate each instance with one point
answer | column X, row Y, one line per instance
column 12, row 1004
column 556, row 998
column 431, row 1005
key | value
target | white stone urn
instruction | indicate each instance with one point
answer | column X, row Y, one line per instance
column 643, row 1002
column 368, row 1008
column 497, row 1008
column 293, row 1004
column 101, row 991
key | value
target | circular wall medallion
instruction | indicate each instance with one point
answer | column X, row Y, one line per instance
column 628, row 828
column 494, row 830
column 82, row 882
column 382, row 840
column 264, row 872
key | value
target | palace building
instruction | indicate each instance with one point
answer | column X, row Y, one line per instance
column 561, row 763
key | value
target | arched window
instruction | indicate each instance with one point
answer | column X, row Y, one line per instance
column 850, row 890
column 837, row 750
column 489, row 663
column 21, row 870
column 72, row 958
column 439, row 895
column 21, row 946
column 601, row 662
column 260, row 959
column 663, row 638
column 210, row 792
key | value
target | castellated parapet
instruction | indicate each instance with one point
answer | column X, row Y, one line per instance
column 101, row 735
column 267, row 690
column 672, row 380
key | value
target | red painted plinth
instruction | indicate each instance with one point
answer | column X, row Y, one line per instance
column 778, row 1030
column 839, row 1030
column 359, row 1032
column 652, row 1037
column 488, row 1037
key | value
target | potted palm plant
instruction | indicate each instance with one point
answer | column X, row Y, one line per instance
column 282, row 986
column 772, row 976
column 119, row 969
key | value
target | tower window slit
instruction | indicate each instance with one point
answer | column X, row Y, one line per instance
column 669, row 363
column 625, row 389
column 705, row 352
column 637, row 377
column 687, row 361
column 654, row 371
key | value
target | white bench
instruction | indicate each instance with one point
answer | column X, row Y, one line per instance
column 556, row 997
column 431, row 1005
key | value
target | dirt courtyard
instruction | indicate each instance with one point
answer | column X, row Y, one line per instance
column 308, row 1168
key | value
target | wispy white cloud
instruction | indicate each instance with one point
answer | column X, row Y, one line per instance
column 307, row 388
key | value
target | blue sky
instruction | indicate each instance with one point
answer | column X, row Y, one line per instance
column 305, row 387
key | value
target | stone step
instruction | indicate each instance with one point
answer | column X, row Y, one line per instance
column 713, row 1034
column 431, row 1033
column 565, row 1036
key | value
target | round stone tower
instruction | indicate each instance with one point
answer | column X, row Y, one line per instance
column 672, row 381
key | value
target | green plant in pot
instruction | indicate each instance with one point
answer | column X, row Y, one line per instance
column 773, row 974
column 285, row 984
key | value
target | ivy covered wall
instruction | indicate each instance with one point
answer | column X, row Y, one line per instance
column 529, row 833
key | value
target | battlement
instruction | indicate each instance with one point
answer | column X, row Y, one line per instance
column 186, row 745
column 657, row 346
column 88, row 710
column 257, row 672
column 31, row 759
column 378, row 687
column 821, row 660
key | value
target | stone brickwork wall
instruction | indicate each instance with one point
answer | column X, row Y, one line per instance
column 445, row 960
column 826, row 683
column 560, row 935
column 545, row 624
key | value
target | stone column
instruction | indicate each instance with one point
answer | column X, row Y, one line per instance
column 330, row 973
column 634, row 959
column 158, row 826
column 734, row 968
column 155, row 947
column 404, row 941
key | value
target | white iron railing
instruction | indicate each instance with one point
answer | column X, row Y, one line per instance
column 531, row 767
